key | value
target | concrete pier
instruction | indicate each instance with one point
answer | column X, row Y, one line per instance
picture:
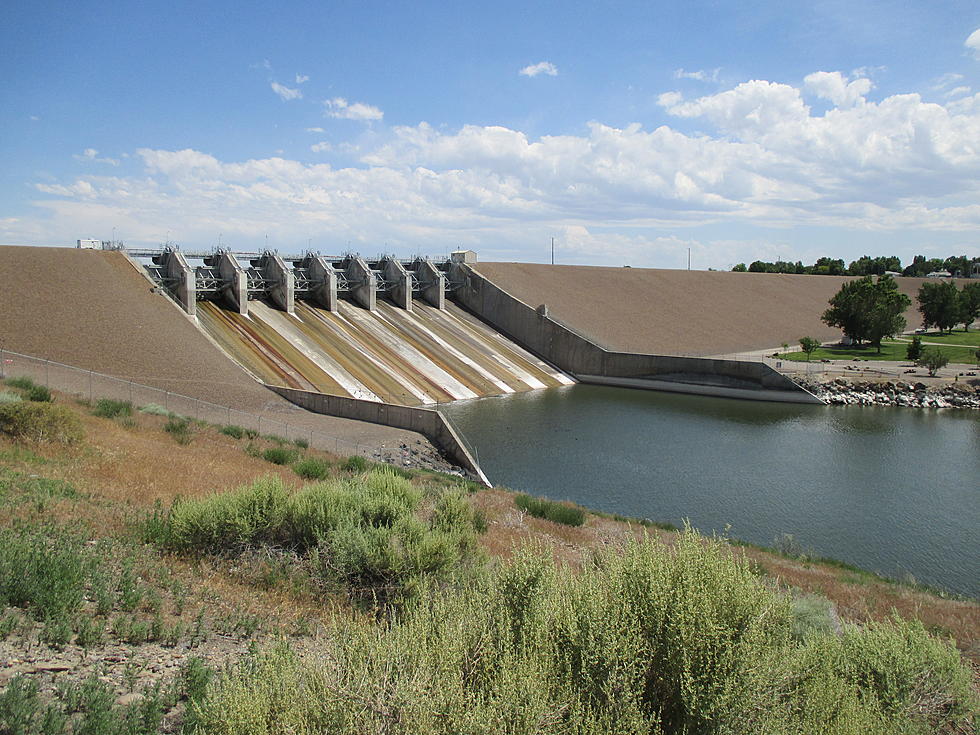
column 181, row 278
column 281, row 281
column 399, row 283
column 432, row 282
column 324, row 276
column 235, row 281
column 362, row 282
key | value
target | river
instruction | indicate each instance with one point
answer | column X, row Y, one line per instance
column 895, row 491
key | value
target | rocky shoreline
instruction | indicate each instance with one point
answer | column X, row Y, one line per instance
column 894, row 393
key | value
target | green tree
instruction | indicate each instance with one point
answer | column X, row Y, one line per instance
column 914, row 351
column 969, row 304
column 939, row 304
column 868, row 310
column 740, row 268
column 809, row 345
column 933, row 359
column 828, row 267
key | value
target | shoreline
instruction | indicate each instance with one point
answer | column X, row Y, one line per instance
column 899, row 393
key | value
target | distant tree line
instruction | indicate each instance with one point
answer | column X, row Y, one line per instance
column 957, row 265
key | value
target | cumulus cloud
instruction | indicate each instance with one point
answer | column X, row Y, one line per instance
column 973, row 43
column 542, row 67
column 834, row 87
column 301, row 78
column 700, row 75
column 762, row 159
column 92, row 155
column 340, row 108
column 321, row 147
column 285, row 93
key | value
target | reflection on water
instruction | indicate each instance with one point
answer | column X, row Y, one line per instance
column 892, row 490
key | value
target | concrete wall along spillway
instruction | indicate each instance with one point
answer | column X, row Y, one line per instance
column 419, row 357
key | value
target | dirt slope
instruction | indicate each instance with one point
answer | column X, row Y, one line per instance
column 94, row 310
column 680, row 312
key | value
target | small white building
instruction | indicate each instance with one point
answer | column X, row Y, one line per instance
column 939, row 274
column 89, row 244
column 463, row 256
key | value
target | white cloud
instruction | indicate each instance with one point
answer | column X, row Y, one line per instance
column 700, row 75
column 957, row 92
column 92, row 155
column 285, row 93
column 542, row 67
column 834, row 87
column 322, row 147
column 301, row 78
column 762, row 160
column 340, row 108
column 315, row 130
column 973, row 43
column 34, row 118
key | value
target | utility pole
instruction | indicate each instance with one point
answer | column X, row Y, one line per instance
column 552, row 251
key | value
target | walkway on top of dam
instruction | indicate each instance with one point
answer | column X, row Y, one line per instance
column 419, row 357
column 678, row 312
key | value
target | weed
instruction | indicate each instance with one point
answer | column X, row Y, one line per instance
column 312, row 468
column 301, row 443
column 39, row 394
column 10, row 621
column 44, row 573
column 253, row 450
column 108, row 408
column 355, row 464
column 88, row 632
column 235, row 432
column 21, row 383
column 280, row 455
column 8, row 397
column 811, row 615
column 152, row 529
column 40, row 422
column 155, row 409
column 180, row 429
column 131, row 591
column 569, row 515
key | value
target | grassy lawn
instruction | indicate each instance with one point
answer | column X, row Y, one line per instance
column 890, row 350
column 957, row 337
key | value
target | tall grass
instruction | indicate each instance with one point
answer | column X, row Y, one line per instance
column 369, row 532
column 110, row 409
column 569, row 515
column 645, row 640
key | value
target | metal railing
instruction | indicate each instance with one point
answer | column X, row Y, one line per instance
column 92, row 385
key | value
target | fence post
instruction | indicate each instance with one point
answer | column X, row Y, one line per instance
column 47, row 373
column 130, row 391
column 166, row 400
column 90, row 396
column 2, row 363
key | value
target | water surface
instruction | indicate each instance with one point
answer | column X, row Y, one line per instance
column 891, row 490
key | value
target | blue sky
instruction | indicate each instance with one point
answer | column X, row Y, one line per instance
column 630, row 132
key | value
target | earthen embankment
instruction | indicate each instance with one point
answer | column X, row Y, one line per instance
column 676, row 312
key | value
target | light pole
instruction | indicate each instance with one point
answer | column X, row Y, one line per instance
column 552, row 251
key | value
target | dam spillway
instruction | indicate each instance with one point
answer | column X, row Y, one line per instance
column 414, row 358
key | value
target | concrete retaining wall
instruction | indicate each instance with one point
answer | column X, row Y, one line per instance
column 431, row 424
column 588, row 362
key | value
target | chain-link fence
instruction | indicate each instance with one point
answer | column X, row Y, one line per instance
column 92, row 386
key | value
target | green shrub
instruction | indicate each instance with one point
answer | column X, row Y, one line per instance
column 39, row 394
column 7, row 396
column 155, row 409
column 301, row 443
column 645, row 639
column 280, row 455
column 312, row 468
column 235, row 432
column 40, row 422
column 933, row 359
column 22, row 383
column 180, row 429
column 569, row 515
column 110, row 409
column 914, row 350
column 365, row 533
column 44, row 573
column 355, row 463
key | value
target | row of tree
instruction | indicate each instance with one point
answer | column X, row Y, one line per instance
column 957, row 265
column 869, row 309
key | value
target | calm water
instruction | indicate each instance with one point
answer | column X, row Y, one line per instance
column 892, row 490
